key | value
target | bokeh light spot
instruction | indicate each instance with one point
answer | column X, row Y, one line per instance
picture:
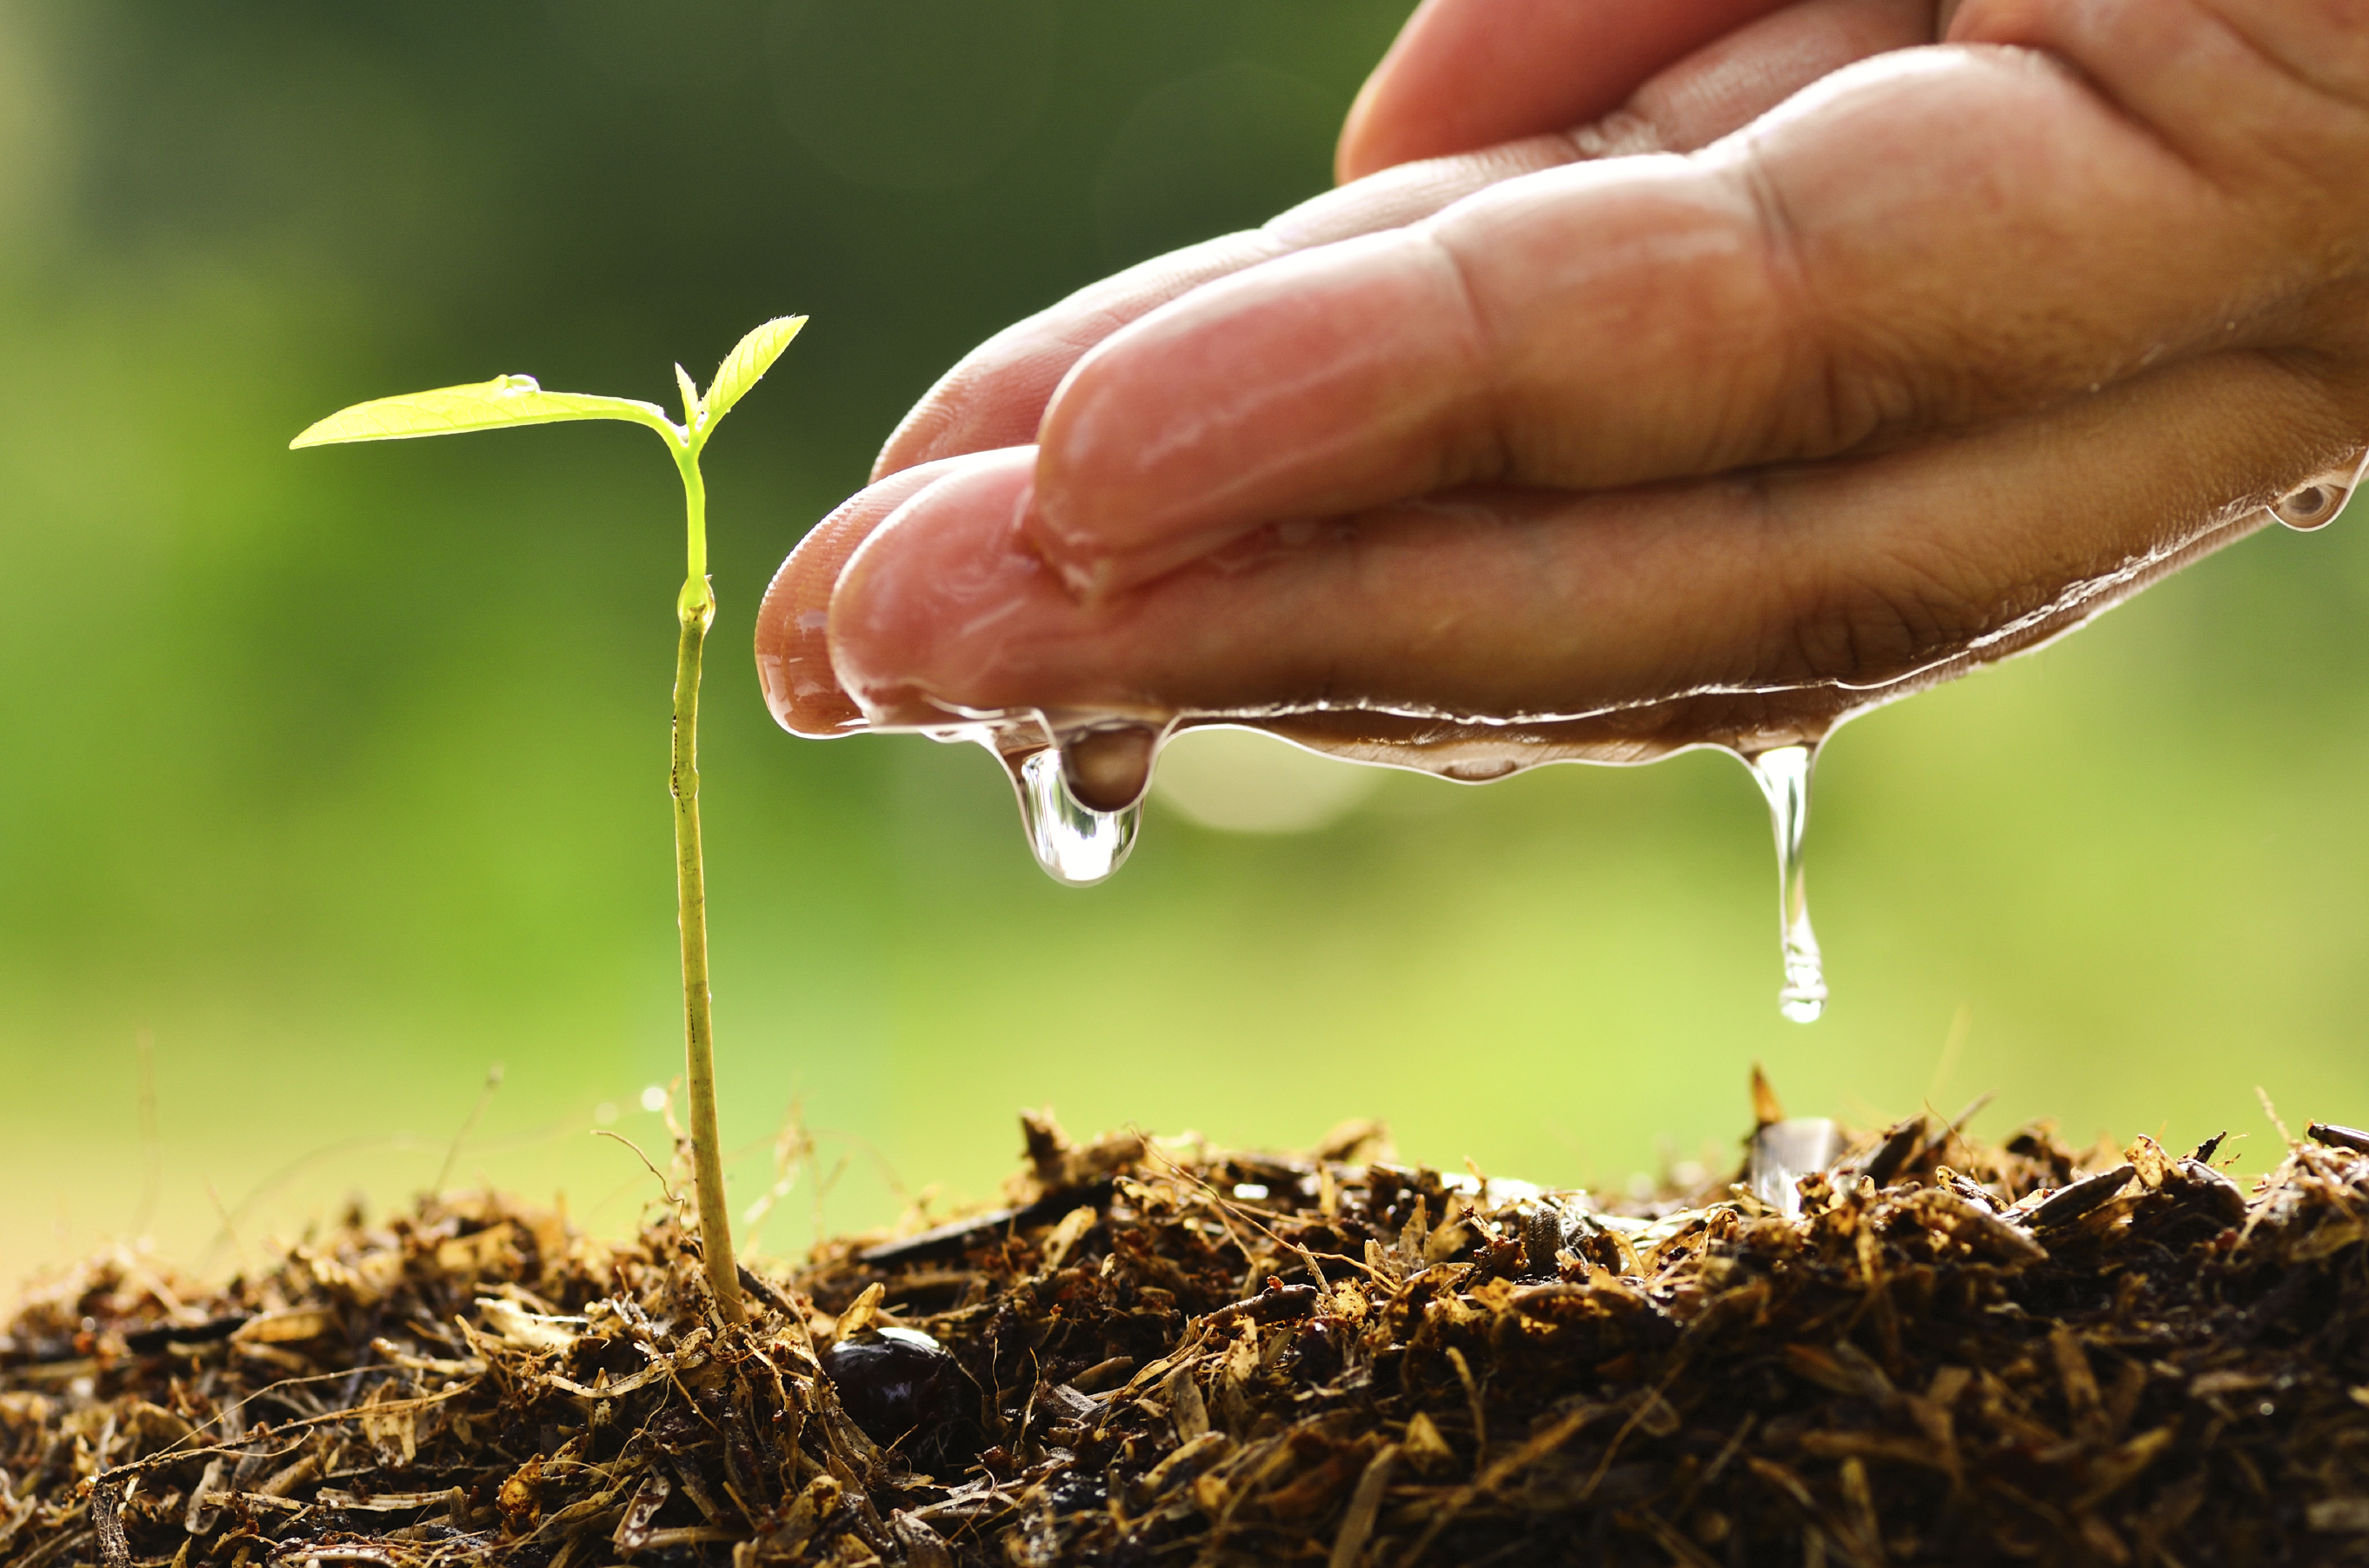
column 1240, row 781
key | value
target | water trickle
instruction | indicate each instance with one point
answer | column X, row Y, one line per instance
column 1784, row 777
column 1074, row 843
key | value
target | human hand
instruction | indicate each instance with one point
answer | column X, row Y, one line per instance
column 1474, row 92
column 1952, row 352
column 1444, row 115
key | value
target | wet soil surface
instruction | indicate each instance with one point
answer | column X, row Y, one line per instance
column 1921, row 1349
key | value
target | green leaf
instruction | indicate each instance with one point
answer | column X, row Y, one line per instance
column 691, row 404
column 750, row 359
column 480, row 405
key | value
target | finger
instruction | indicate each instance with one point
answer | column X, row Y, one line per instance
column 1741, row 75
column 793, row 652
column 1499, row 604
column 1929, row 240
column 1469, row 73
column 995, row 396
column 978, row 571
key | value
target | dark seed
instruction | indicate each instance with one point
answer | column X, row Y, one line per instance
column 901, row 1387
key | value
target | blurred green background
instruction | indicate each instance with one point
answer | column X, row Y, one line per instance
column 343, row 775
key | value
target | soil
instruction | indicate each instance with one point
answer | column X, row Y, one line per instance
column 1158, row 1353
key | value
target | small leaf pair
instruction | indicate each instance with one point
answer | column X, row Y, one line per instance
column 508, row 400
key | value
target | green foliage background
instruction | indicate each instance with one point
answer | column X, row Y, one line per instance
column 344, row 773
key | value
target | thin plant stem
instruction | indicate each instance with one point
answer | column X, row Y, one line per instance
column 695, row 610
column 512, row 400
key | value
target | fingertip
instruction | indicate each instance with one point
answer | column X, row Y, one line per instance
column 915, row 439
column 1362, row 149
column 914, row 617
column 794, row 672
column 793, row 665
column 990, row 399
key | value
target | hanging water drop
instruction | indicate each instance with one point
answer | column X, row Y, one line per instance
column 1074, row 843
column 1784, row 777
column 2313, row 505
column 1107, row 766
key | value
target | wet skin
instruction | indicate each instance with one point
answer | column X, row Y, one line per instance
column 1819, row 365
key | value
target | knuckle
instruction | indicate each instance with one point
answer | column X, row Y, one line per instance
column 1847, row 382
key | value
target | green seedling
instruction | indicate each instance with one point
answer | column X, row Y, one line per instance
column 515, row 400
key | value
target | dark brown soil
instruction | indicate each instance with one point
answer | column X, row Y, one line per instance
column 1955, row 1354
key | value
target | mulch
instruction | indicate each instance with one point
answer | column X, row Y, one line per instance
column 1903, row 1347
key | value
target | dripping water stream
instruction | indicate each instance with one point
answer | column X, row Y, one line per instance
column 1784, row 777
column 1081, row 777
column 1079, row 844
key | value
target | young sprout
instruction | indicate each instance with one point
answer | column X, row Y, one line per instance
column 517, row 400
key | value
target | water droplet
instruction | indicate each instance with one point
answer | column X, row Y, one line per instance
column 1784, row 777
column 1074, row 843
column 1109, row 767
column 2312, row 505
column 1480, row 770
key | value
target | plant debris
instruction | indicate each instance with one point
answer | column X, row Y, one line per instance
column 1923, row 1349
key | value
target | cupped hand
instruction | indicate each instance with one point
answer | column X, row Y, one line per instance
column 1473, row 93
column 1939, row 357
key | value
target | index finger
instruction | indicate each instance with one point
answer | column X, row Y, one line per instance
column 794, row 667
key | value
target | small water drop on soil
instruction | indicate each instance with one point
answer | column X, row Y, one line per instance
column 1784, row 777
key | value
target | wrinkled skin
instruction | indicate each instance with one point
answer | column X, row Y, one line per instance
column 1820, row 362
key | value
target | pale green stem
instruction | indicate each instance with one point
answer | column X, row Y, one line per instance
column 696, row 610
